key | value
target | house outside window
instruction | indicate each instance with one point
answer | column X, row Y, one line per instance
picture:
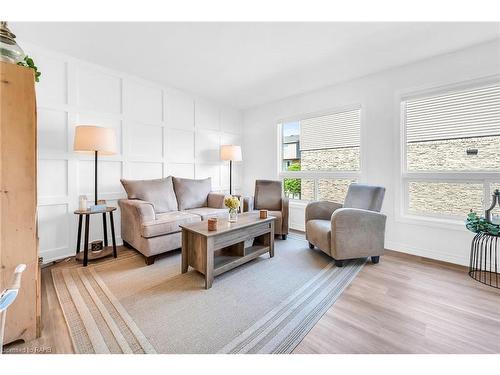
column 320, row 154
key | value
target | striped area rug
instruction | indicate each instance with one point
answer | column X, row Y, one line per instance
column 97, row 322
column 122, row 306
column 281, row 330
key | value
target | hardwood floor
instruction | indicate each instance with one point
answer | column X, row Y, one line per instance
column 408, row 304
column 404, row 304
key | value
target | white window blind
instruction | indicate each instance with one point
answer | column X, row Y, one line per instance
column 336, row 130
column 461, row 114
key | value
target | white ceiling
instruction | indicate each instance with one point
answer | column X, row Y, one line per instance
column 247, row 64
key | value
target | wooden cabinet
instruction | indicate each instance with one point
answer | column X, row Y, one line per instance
column 18, row 201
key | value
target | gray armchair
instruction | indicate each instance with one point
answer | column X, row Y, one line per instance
column 269, row 196
column 355, row 229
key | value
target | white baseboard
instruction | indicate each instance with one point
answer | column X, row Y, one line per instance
column 432, row 254
column 59, row 253
column 63, row 252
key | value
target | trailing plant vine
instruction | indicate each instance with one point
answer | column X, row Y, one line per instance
column 477, row 224
column 29, row 63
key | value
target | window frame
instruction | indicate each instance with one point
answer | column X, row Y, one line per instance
column 404, row 176
column 317, row 175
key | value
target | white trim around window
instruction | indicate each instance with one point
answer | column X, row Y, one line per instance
column 403, row 177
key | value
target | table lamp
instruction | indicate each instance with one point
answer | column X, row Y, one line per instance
column 95, row 139
column 231, row 153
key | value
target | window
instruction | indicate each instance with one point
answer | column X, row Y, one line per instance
column 451, row 150
column 320, row 155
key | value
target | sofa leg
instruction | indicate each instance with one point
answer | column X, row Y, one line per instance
column 339, row 263
column 149, row 260
column 311, row 246
column 376, row 259
column 283, row 237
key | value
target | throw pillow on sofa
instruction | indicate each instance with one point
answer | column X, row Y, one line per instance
column 160, row 192
column 192, row 193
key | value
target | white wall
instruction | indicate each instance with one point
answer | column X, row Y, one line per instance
column 161, row 131
column 377, row 95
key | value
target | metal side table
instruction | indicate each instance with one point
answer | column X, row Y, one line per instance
column 484, row 259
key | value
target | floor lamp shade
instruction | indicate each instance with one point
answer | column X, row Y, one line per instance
column 231, row 153
column 97, row 140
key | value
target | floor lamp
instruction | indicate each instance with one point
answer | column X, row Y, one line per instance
column 97, row 140
column 231, row 153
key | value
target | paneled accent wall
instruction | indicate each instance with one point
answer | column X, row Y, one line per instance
column 161, row 131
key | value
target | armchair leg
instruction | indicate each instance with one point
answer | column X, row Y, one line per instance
column 149, row 260
column 339, row 263
column 376, row 259
column 283, row 237
column 311, row 246
column 127, row 245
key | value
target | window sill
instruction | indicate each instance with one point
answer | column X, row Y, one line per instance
column 298, row 202
column 434, row 222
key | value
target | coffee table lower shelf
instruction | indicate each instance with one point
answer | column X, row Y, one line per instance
column 223, row 263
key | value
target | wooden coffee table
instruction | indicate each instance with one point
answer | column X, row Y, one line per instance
column 214, row 252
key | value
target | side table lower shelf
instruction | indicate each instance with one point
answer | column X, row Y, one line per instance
column 87, row 255
column 93, row 255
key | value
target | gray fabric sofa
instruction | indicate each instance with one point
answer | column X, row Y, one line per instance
column 355, row 229
column 154, row 209
column 269, row 196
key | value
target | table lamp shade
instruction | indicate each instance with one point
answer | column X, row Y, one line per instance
column 95, row 138
column 230, row 152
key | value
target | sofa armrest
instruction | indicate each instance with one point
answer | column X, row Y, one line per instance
column 216, row 200
column 141, row 210
column 322, row 210
column 357, row 233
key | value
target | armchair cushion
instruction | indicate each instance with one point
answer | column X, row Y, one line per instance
column 159, row 192
column 365, row 197
column 192, row 193
column 268, row 195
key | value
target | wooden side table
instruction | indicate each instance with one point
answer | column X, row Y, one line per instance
column 107, row 250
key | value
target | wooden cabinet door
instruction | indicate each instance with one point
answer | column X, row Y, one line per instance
column 18, row 226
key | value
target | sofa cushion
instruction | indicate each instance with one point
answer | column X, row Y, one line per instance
column 192, row 193
column 319, row 233
column 206, row 212
column 167, row 223
column 159, row 192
